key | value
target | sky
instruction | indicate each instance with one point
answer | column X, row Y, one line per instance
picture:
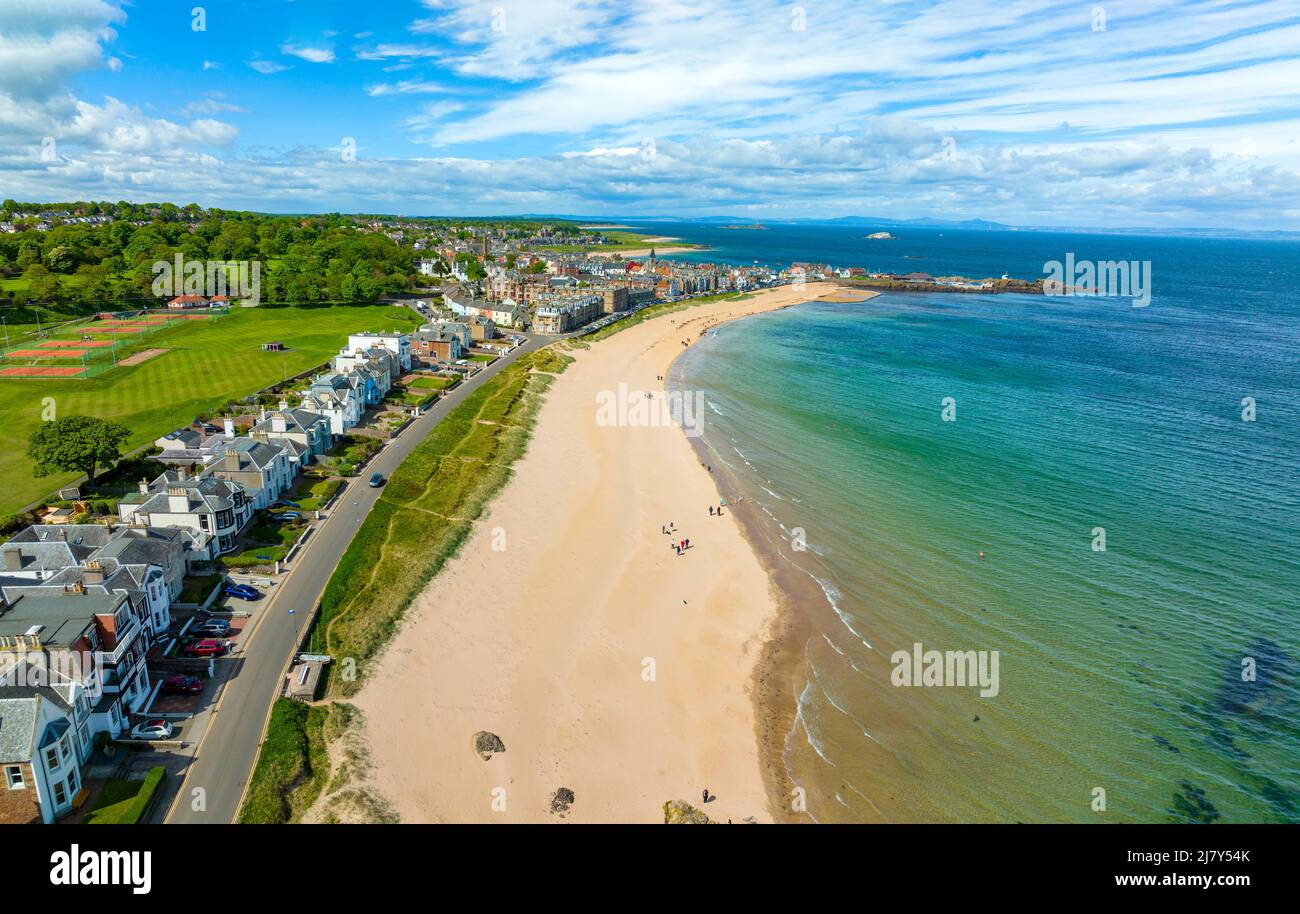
column 1178, row 113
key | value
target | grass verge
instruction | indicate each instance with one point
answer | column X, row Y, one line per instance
column 426, row 513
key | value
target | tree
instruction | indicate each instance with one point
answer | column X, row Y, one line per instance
column 75, row 443
column 44, row 284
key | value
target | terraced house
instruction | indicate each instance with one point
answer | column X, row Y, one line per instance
column 338, row 399
column 214, row 510
column 72, row 664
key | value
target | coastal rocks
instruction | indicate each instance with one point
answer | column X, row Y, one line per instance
column 679, row 812
column 561, row 800
column 487, row 744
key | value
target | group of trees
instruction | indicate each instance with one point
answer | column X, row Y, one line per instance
column 303, row 259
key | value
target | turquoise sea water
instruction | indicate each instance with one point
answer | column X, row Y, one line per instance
column 1120, row 670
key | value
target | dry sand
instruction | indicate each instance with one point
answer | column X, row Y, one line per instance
column 549, row 643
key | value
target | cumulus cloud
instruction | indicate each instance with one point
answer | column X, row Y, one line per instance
column 43, row 45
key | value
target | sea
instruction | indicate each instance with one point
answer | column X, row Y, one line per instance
column 1099, row 502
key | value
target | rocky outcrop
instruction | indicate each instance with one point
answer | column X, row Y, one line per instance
column 487, row 744
column 679, row 812
column 561, row 800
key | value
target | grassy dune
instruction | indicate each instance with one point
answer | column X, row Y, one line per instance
column 425, row 514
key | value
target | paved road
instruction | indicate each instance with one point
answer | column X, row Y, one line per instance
column 229, row 748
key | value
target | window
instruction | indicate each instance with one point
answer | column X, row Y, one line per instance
column 14, row 777
column 65, row 744
column 52, row 758
column 60, row 794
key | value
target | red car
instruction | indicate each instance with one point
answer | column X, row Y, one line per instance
column 182, row 685
column 208, row 647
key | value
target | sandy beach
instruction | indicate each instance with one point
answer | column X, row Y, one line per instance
column 659, row 251
column 606, row 663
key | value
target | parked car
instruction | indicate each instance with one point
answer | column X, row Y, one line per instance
column 152, row 729
column 243, row 592
column 182, row 685
column 376, row 480
column 214, row 628
column 208, row 647
column 286, row 517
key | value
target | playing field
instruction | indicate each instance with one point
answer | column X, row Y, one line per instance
column 206, row 364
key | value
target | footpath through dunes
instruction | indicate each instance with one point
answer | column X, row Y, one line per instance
column 615, row 672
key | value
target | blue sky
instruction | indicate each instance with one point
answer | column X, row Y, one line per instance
column 1145, row 113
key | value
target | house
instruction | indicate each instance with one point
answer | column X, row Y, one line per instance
column 40, row 758
column 89, row 636
column 399, row 344
column 149, row 564
column 436, row 345
column 205, row 504
column 263, row 468
column 462, row 330
column 508, row 314
column 482, row 328
column 71, row 666
column 562, row 314
column 188, row 301
column 308, row 432
column 341, row 401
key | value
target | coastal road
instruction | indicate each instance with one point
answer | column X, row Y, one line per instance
column 214, row 783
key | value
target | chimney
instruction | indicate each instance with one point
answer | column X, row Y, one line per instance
column 231, row 460
column 144, row 487
column 13, row 560
column 279, row 424
column 93, row 573
column 183, row 473
column 284, row 405
column 230, row 428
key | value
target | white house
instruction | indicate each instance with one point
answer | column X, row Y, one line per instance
column 399, row 344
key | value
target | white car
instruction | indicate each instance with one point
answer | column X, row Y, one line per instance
column 152, row 729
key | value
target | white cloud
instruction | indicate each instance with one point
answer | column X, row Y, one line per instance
column 309, row 54
column 408, row 87
column 267, row 67
column 43, row 45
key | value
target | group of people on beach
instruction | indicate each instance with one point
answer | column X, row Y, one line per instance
column 679, row 546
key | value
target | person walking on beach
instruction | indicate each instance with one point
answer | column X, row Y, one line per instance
column 710, row 510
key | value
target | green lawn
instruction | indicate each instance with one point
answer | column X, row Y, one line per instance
column 196, row 589
column 434, row 383
column 124, row 802
column 207, row 364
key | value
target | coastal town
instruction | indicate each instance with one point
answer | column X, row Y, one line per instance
column 159, row 569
